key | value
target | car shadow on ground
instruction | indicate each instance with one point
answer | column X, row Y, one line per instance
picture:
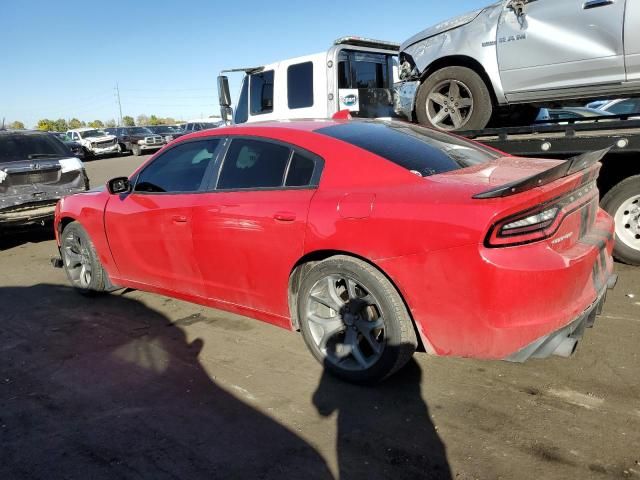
column 109, row 388
column 11, row 238
column 384, row 431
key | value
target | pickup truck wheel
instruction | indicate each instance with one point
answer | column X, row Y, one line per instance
column 80, row 261
column 622, row 202
column 354, row 321
column 136, row 150
column 454, row 98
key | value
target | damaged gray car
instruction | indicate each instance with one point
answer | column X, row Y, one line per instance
column 36, row 170
column 501, row 63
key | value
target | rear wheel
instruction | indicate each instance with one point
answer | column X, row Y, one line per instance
column 622, row 202
column 80, row 260
column 454, row 98
column 354, row 321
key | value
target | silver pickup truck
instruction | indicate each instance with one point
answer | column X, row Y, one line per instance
column 499, row 63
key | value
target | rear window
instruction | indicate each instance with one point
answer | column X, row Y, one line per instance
column 420, row 150
column 25, row 147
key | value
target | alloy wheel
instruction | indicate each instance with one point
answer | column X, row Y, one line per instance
column 346, row 323
column 77, row 260
column 449, row 105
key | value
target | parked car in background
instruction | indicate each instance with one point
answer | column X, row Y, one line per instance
column 570, row 114
column 622, row 106
column 36, row 170
column 597, row 103
column 498, row 62
column 137, row 140
column 202, row 124
column 169, row 132
column 94, row 142
column 74, row 147
column 338, row 228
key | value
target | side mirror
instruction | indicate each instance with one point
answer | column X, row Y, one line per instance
column 118, row 185
column 224, row 95
column 227, row 115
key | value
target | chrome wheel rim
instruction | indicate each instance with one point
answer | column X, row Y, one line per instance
column 77, row 260
column 346, row 323
column 449, row 105
column 627, row 219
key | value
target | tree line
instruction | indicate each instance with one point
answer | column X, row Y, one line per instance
column 62, row 125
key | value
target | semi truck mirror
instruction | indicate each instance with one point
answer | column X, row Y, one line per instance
column 224, row 96
column 227, row 115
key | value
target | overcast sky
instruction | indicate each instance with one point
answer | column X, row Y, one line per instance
column 62, row 59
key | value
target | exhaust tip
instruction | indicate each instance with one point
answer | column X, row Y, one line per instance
column 566, row 348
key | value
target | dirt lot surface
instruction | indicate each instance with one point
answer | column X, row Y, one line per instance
column 134, row 385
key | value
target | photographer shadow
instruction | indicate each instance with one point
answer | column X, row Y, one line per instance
column 107, row 388
column 383, row 431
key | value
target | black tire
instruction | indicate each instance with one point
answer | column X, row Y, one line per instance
column 87, row 154
column 123, row 149
column 623, row 199
column 475, row 117
column 77, row 251
column 136, row 150
column 398, row 342
column 515, row 116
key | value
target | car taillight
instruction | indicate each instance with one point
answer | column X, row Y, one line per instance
column 541, row 222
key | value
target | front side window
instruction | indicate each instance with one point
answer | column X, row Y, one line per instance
column 254, row 164
column 179, row 169
column 300, row 85
column 261, row 93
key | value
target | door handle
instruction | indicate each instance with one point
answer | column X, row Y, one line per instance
column 179, row 219
column 596, row 3
column 284, row 216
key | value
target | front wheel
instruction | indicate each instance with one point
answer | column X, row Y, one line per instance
column 354, row 321
column 136, row 150
column 454, row 98
column 622, row 202
column 80, row 260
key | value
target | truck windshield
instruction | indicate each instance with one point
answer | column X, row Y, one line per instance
column 15, row 147
column 140, row 131
column 91, row 133
column 420, row 150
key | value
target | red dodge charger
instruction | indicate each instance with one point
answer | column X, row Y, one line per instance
column 371, row 238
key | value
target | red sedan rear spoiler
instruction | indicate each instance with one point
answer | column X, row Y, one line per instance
column 569, row 167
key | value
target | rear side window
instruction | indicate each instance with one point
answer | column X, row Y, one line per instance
column 420, row 150
column 300, row 171
column 300, row 85
column 254, row 164
column 631, row 105
column 179, row 169
column 261, row 93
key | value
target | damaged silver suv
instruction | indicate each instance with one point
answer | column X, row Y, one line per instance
column 36, row 169
column 500, row 63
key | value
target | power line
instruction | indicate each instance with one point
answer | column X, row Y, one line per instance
column 119, row 103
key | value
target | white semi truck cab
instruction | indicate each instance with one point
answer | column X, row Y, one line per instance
column 355, row 74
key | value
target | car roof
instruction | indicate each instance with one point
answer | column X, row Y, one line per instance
column 83, row 129
column 25, row 132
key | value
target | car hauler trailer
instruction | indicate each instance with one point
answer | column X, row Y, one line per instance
column 355, row 74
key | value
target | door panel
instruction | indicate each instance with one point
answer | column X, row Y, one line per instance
column 632, row 39
column 560, row 44
column 246, row 243
column 150, row 239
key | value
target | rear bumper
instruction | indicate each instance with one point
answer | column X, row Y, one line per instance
column 563, row 342
column 27, row 214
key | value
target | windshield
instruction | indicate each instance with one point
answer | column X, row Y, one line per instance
column 139, row 131
column 15, row 147
column 91, row 133
column 163, row 129
column 421, row 150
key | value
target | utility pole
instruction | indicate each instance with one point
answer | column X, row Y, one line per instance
column 119, row 104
